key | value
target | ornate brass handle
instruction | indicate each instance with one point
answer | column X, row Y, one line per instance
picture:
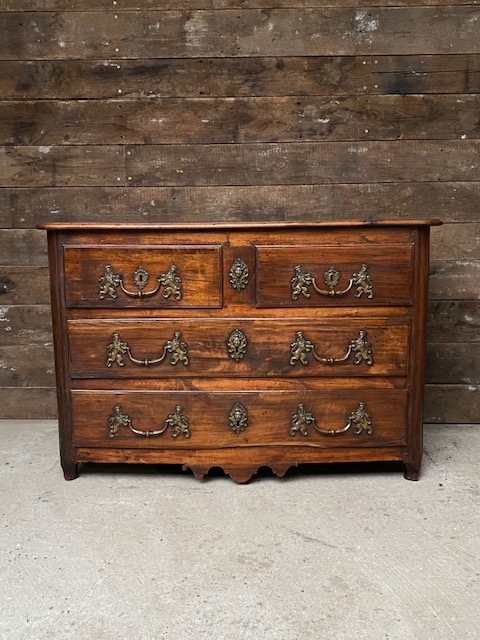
column 359, row 348
column 358, row 419
column 176, row 421
column 303, row 279
column 117, row 349
column 170, row 281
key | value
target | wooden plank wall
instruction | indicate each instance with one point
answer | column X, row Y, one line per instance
column 235, row 110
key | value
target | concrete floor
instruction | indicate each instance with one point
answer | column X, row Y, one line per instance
column 148, row 555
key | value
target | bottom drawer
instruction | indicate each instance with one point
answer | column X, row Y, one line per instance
column 216, row 420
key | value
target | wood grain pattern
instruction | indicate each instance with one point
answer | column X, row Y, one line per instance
column 41, row 166
column 226, row 77
column 390, row 268
column 25, row 324
column 445, row 402
column 198, row 267
column 208, row 416
column 37, row 403
column 249, row 32
column 454, row 320
column 267, row 354
column 18, row 287
column 103, row 5
column 302, row 163
column 27, row 366
column 454, row 279
column 228, row 120
column 450, row 201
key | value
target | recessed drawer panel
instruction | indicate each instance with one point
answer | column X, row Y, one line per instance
column 238, row 348
column 319, row 275
column 119, row 276
column 203, row 420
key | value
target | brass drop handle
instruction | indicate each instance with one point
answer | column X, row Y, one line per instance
column 176, row 421
column 171, row 282
column 117, row 349
column 359, row 349
column 302, row 280
column 359, row 420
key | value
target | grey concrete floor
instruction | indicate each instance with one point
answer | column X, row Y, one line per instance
column 147, row 554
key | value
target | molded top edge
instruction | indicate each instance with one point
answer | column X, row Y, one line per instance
column 212, row 226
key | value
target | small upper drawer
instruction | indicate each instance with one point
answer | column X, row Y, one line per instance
column 297, row 275
column 147, row 276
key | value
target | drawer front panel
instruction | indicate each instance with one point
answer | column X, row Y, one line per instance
column 318, row 275
column 238, row 348
column 120, row 276
column 192, row 420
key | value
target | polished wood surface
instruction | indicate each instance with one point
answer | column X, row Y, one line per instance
column 268, row 349
column 346, row 377
column 199, row 268
column 268, row 425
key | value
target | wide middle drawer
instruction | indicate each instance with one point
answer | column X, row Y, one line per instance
column 238, row 348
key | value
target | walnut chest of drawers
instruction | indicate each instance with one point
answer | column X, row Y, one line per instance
column 239, row 346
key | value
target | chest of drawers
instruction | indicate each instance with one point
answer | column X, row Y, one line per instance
column 241, row 345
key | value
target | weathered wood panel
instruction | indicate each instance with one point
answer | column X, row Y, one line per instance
column 455, row 403
column 102, row 5
column 450, row 201
column 226, row 77
column 248, row 32
column 17, row 286
column 227, row 120
column 33, row 403
column 453, row 363
column 453, row 321
column 61, row 166
column 25, row 247
column 456, row 242
column 301, row 163
column 456, row 280
column 27, row 366
column 26, row 325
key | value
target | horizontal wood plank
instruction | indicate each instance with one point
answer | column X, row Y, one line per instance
column 452, row 403
column 17, row 286
column 457, row 280
column 61, row 166
column 453, row 363
column 25, row 207
column 247, row 32
column 453, row 321
column 301, row 163
column 25, row 324
column 197, row 77
column 122, row 5
column 450, row 201
column 229, row 120
column 456, row 242
column 28, row 404
column 27, row 366
column 23, row 247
